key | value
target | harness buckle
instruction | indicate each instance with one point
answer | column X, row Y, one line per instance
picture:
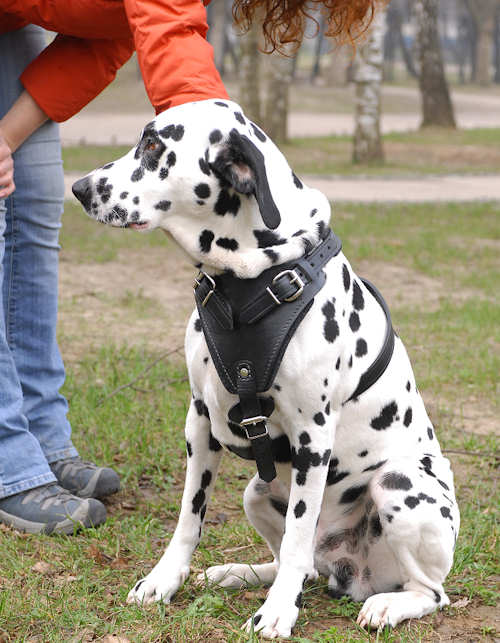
column 198, row 281
column 294, row 279
column 253, row 421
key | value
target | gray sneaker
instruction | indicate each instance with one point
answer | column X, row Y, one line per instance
column 85, row 479
column 50, row 509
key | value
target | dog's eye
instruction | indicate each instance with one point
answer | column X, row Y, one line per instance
column 151, row 147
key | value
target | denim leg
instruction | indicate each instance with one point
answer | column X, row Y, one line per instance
column 34, row 429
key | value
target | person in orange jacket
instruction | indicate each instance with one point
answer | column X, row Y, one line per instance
column 44, row 485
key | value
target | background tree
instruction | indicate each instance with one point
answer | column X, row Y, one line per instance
column 368, row 73
column 483, row 14
column 249, row 76
column 437, row 108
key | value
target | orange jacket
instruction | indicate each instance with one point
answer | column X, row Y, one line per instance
column 96, row 37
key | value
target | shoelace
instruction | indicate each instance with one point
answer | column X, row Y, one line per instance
column 48, row 494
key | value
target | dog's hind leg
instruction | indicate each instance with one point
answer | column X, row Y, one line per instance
column 419, row 521
column 204, row 454
column 265, row 506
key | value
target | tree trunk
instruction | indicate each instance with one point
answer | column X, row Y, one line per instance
column 279, row 74
column 483, row 16
column 216, row 33
column 249, row 86
column 437, row 108
column 496, row 41
column 368, row 78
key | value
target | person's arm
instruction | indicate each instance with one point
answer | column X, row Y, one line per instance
column 176, row 60
column 22, row 119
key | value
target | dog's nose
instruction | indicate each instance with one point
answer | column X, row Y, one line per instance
column 82, row 189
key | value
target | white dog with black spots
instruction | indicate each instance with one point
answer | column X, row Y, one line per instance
column 363, row 494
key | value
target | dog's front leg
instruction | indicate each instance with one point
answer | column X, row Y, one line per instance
column 311, row 450
column 204, row 455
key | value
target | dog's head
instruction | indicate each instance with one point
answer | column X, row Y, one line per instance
column 211, row 178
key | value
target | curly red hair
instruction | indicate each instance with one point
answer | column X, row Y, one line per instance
column 284, row 21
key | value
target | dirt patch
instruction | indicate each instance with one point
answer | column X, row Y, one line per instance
column 139, row 299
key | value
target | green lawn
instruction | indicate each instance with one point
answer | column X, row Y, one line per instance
column 452, row 336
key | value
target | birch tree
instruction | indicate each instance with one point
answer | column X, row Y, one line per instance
column 483, row 14
column 437, row 108
column 279, row 70
column 368, row 80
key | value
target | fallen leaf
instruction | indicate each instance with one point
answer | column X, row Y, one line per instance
column 126, row 504
column 462, row 602
column 41, row 567
column 98, row 555
column 120, row 563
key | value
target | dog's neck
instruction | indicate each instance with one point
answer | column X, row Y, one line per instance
column 243, row 245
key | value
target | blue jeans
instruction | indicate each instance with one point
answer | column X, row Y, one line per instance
column 34, row 429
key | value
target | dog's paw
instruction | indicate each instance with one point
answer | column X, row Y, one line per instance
column 235, row 576
column 379, row 611
column 157, row 587
column 273, row 620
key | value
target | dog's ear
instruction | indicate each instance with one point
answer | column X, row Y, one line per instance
column 242, row 165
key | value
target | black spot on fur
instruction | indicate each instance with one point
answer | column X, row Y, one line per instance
column 354, row 322
column 227, row 244
column 197, row 325
column 408, row 385
column 429, row 499
column 215, row 136
column 273, row 256
column 357, row 297
column 302, row 460
column 267, row 238
column 164, row 206
column 298, row 600
column 175, row 132
column 135, row 200
column 319, row 418
column 337, row 364
column 352, row 493
column 256, row 619
column 171, row 159
column 412, row 501
column 430, row 433
column 107, row 166
column 444, row 485
column 189, row 448
column 344, row 570
column 104, row 189
column 202, row 190
column 325, row 382
column 213, row 443
column 205, row 240
column 137, row 174
column 361, row 348
column 201, row 408
column 408, row 416
column 375, row 526
column 437, row 596
column 221, row 104
column 304, row 438
column 327, row 408
column 227, row 203
column 445, row 512
column 374, row 467
column 204, row 166
column 240, row 118
column 123, row 195
column 299, row 509
column 163, row 173
column 351, row 538
column 280, row 506
column 297, row 181
column 334, row 476
column 313, row 212
column 330, row 327
column 258, row 133
column 198, row 501
column 363, row 454
column 395, row 480
column 366, row 574
column 206, row 478
column 386, row 417
column 346, row 277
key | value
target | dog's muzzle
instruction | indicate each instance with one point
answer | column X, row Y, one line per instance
column 82, row 189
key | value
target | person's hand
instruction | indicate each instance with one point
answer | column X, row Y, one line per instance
column 7, row 185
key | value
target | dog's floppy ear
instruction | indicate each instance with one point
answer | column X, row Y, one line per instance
column 242, row 165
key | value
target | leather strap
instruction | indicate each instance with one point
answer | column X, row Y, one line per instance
column 253, row 422
column 206, row 296
column 377, row 368
column 289, row 284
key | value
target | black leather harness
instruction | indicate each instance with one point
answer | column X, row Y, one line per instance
column 248, row 324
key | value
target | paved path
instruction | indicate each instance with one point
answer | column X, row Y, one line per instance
column 420, row 190
column 471, row 110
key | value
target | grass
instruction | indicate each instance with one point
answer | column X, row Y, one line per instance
column 431, row 151
column 453, row 345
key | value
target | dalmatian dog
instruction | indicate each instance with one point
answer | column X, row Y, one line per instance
column 363, row 494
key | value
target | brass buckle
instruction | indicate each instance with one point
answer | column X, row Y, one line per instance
column 197, row 282
column 294, row 279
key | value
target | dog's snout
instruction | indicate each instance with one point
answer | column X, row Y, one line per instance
column 82, row 189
